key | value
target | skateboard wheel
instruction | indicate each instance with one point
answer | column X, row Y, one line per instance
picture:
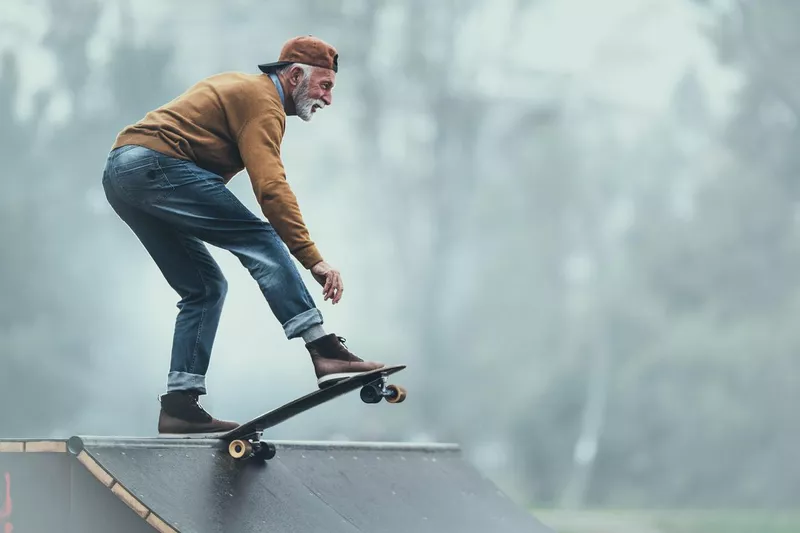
column 371, row 394
column 240, row 448
column 398, row 394
column 266, row 452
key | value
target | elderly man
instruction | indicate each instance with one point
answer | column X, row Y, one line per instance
column 166, row 178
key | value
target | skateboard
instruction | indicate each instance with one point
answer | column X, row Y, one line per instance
column 244, row 441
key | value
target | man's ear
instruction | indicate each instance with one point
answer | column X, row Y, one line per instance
column 295, row 76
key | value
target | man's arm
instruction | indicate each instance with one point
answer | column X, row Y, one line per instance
column 259, row 146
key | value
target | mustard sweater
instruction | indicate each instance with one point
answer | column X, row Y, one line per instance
column 224, row 124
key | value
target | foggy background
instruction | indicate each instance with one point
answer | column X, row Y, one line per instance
column 576, row 222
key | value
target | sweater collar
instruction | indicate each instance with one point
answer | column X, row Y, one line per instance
column 278, row 86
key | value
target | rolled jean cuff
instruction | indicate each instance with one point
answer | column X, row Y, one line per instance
column 298, row 324
column 185, row 381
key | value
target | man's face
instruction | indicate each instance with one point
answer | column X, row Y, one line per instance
column 314, row 92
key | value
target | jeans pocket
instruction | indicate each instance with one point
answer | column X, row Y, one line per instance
column 138, row 174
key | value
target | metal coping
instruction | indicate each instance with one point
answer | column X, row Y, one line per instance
column 77, row 443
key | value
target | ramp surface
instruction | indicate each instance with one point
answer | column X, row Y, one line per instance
column 193, row 486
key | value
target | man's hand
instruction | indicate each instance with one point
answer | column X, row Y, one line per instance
column 330, row 279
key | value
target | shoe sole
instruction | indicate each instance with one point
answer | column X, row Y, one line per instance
column 333, row 379
column 213, row 435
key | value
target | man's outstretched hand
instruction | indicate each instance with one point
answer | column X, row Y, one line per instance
column 330, row 279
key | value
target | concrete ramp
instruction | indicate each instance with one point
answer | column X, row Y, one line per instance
column 184, row 485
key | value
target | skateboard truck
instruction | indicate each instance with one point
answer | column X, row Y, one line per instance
column 377, row 390
column 256, row 449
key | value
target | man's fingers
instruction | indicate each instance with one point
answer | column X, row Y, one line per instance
column 328, row 283
column 339, row 289
column 329, row 294
column 333, row 286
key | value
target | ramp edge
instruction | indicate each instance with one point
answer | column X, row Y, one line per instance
column 33, row 446
column 12, row 447
column 78, row 443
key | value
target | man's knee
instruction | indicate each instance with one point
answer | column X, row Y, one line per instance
column 217, row 289
column 207, row 290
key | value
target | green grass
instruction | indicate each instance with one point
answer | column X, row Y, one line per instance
column 667, row 521
column 729, row 522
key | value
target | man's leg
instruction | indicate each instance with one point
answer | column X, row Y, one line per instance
column 198, row 203
column 195, row 276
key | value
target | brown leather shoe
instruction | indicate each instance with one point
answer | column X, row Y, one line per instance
column 181, row 413
column 334, row 362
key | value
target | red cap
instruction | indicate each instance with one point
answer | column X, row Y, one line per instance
column 307, row 50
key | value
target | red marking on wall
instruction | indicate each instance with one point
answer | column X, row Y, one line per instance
column 7, row 509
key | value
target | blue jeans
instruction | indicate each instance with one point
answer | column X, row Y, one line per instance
column 173, row 207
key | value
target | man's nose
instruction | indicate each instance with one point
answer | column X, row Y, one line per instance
column 327, row 98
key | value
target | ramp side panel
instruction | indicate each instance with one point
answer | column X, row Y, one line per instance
column 34, row 491
column 202, row 490
column 408, row 491
column 42, row 488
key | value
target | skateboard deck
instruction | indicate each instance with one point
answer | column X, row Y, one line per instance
column 244, row 441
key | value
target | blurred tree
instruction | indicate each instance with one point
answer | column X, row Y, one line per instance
column 700, row 409
column 739, row 282
column 26, row 316
column 50, row 227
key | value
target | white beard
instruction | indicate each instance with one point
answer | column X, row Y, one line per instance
column 303, row 104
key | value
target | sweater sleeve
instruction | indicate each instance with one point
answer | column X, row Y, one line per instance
column 259, row 146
